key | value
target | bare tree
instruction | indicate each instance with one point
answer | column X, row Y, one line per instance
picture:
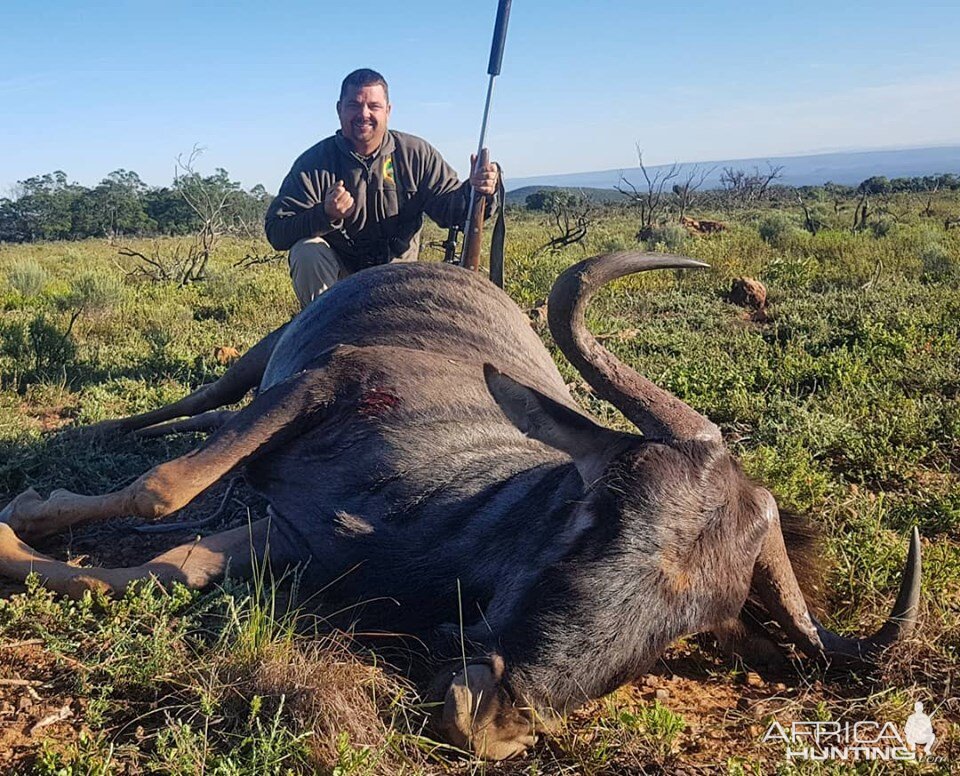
column 810, row 223
column 891, row 208
column 861, row 211
column 838, row 196
column 887, row 205
column 930, row 187
column 650, row 202
column 684, row 192
column 749, row 188
column 155, row 265
column 572, row 215
column 220, row 207
column 207, row 198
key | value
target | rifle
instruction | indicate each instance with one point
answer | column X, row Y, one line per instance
column 473, row 231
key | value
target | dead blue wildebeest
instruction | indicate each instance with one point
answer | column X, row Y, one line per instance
column 417, row 444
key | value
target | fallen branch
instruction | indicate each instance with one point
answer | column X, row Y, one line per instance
column 253, row 259
column 24, row 643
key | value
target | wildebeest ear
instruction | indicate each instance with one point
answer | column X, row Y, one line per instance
column 540, row 417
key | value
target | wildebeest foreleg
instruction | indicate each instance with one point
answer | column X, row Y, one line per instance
column 244, row 375
column 277, row 415
column 206, row 421
column 195, row 564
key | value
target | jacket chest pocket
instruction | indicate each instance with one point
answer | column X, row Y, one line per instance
column 395, row 198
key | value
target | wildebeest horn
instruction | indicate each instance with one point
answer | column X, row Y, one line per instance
column 776, row 584
column 656, row 412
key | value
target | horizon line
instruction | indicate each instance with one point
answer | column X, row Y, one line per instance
column 795, row 155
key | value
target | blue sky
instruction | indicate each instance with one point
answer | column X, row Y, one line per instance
column 95, row 86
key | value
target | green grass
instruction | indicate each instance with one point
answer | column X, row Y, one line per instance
column 845, row 403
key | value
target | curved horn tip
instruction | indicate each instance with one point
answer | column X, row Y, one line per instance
column 661, row 260
column 903, row 618
column 899, row 625
column 686, row 262
column 908, row 598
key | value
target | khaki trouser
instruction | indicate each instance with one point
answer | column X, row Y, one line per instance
column 315, row 266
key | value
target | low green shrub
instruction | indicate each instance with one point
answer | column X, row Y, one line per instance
column 669, row 237
column 27, row 277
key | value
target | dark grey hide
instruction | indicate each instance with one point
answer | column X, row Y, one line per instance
column 412, row 480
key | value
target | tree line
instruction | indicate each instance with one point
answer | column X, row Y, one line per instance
column 759, row 186
column 49, row 207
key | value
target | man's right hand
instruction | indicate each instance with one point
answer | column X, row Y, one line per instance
column 338, row 203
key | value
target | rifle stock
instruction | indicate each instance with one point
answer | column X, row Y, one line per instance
column 473, row 233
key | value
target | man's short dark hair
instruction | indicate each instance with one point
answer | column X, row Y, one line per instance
column 363, row 77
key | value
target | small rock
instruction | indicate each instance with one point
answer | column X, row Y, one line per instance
column 651, row 681
column 226, row 355
column 24, row 703
column 754, row 679
column 780, row 687
column 747, row 292
column 662, row 694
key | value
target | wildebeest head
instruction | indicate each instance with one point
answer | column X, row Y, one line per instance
column 672, row 536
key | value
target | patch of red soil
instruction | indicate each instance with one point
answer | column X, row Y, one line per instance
column 36, row 706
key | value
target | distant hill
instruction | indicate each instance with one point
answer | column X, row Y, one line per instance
column 848, row 168
column 519, row 196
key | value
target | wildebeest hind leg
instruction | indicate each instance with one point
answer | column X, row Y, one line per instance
column 244, row 375
column 195, row 564
column 273, row 418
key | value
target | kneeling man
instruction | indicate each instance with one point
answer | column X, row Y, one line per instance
column 357, row 198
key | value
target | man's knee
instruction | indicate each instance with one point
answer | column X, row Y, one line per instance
column 412, row 253
column 314, row 267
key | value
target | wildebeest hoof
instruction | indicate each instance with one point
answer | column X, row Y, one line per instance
column 32, row 517
column 79, row 584
column 8, row 541
column 480, row 717
column 16, row 514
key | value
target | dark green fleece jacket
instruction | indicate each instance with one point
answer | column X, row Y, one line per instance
column 392, row 190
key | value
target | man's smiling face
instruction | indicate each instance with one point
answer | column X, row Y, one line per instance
column 363, row 117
